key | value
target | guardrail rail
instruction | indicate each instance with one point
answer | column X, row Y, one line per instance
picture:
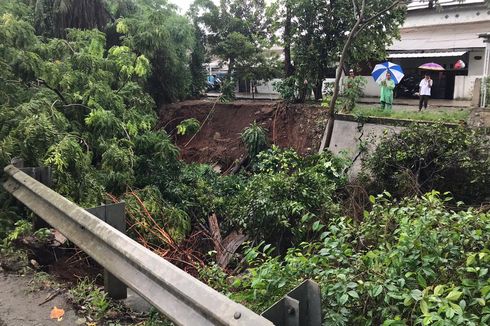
column 179, row 296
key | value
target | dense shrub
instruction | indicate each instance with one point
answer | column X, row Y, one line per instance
column 412, row 262
column 425, row 157
column 352, row 92
column 200, row 191
column 287, row 88
column 286, row 195
column 255, row 139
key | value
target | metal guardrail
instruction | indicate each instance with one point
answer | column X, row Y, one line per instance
column 300, row 307
column 179, row 296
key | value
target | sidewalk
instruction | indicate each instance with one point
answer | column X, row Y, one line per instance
column 415, row 102
column 434, row 103
column 248, row 96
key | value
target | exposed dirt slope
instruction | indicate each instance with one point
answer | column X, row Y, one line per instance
column 218, row 142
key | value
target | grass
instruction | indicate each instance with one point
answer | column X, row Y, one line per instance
column 440, row 115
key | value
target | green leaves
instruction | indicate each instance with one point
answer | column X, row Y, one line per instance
column 255, row 139
column 432, row 157
column 166, row 40
column 454, row 295
column 424, row 307
column 438, row 290
column 188, row 127
column 404, row 264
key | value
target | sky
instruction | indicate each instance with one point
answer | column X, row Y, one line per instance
column 183, row 4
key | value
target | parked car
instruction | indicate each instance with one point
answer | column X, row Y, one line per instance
column 213, row 83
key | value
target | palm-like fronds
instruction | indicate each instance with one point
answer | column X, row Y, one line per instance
column 255, row 139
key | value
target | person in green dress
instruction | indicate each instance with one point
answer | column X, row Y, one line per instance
column 387, row 87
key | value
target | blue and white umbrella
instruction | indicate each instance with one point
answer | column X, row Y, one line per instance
column 379, row 72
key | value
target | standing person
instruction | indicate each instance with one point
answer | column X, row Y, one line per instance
column 387, row 87
column 350, row 79
column 424, row 90
column 351, row 73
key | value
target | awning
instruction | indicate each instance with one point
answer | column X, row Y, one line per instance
column 441, row 38
column 426, row 54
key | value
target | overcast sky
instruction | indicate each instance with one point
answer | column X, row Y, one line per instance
column 183, row 4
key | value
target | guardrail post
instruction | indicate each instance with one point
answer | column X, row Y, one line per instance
column 114, row 215
column 41, row 174
column 300, row 307
column 180, row 297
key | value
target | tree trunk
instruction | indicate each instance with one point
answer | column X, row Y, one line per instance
column 360, row 24
column 317, row 90
column 288, row 67
column 231, row 66
column 327, row 134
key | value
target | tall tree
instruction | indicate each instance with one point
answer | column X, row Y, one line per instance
column 238, row 34
column 314, row 32
column 197, row 60
column 368, row 16
column 53, row 17
column 167, row 39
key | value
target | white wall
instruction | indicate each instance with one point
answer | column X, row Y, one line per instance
column 469, row 13
column 372, row 88
column 475, row 67
column 463, row 87
column 266, row 87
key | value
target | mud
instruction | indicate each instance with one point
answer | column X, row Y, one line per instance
column 218, row 142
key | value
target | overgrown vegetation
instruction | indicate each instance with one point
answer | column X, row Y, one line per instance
column 352, row 92
column 83, row 102
column 408, row 262
column 438, row 115
column 255, row 139
column 421, row 158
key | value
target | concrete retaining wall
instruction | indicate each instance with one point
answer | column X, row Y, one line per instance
column 349, row 135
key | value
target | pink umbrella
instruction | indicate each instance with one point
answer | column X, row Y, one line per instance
column 432, row 66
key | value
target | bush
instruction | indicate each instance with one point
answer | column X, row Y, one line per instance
column 288, row 194
column 188, row 127
column 227, row 90
column 287, row 88
column 408, row 263
column 425, row 157
column 255, row 139
column 353, row 88
column 200, row 191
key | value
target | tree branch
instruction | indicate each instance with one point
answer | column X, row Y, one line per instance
column 68, row 44
column 76, row 104
column 62, row 98
column 375, row 16
column 356, row 13
column 327, row 134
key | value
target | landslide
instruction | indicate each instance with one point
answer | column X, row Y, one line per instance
column 297, row 126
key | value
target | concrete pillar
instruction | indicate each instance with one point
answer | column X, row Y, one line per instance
column 486, row 65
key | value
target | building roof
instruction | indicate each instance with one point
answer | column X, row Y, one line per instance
column 423, row 4
column 442, row 37
column 426, row 54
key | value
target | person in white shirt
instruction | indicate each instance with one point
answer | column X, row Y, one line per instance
column 424, row 91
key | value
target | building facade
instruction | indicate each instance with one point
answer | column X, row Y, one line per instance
column 443, row 35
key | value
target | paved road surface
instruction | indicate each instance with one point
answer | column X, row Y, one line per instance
column 18, row 307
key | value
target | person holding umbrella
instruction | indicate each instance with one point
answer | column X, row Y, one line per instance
column 387, row 74
column 424, row 90
column 387, row 87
